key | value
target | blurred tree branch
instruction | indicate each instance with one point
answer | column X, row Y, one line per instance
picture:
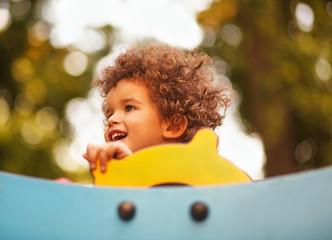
column 34, row 90
column 277, row 69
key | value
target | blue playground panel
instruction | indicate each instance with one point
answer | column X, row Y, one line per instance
column 297, row 206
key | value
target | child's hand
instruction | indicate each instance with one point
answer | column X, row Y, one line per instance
column 105, row 152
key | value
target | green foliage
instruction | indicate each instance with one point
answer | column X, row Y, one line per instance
column 34, row 90
column 280, row 69
column 282, row 72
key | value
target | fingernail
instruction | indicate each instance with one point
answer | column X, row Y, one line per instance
column 103, row 168
column 92, row 166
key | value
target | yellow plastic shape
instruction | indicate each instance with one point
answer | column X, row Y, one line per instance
column 196, row 163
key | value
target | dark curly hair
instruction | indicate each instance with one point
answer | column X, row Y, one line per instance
column 179, row 83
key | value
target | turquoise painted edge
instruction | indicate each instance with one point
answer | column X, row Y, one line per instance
column 297, row 206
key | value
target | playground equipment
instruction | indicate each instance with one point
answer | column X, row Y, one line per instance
column 297, row 206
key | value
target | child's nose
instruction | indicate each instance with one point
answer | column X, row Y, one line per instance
column 114, row 119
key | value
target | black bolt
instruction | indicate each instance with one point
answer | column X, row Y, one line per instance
column 126, row 211
column 199, row 211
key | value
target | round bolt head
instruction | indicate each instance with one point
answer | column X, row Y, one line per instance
column 199, row 211
column 126, row 210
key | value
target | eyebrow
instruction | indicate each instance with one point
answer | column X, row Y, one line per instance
column 130, row 99
column 106, row 110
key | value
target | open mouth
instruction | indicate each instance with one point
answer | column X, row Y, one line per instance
column 117, row 136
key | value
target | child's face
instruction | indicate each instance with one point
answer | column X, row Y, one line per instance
column 132, row 117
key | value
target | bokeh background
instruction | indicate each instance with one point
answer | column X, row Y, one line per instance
column 275, row 54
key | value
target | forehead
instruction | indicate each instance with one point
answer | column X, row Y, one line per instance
column 129, row 87
column 130, row 90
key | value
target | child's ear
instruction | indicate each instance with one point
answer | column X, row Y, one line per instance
column 175, row 126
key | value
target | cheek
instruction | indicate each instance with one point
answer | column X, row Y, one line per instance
column 106, row 134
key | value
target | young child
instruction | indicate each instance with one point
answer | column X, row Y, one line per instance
column 156, row 95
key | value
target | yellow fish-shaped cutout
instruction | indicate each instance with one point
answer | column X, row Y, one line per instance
column 196, row 163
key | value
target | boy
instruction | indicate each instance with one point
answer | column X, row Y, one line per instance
column 155, row 95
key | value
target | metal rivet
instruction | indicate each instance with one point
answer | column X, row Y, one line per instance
column 199, row 211
column 126, row 211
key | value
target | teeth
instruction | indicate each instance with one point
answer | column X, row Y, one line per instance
column 118, row 136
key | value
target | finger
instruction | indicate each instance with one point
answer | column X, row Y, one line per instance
column 108, row 154
column 121, row 150
column 104, row 156
column 92, row 154
column 85, row 156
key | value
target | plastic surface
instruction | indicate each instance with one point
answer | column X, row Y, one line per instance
column 297, row 206
column 196, row 163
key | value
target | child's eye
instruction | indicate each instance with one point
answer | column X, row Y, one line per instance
column 129, row 108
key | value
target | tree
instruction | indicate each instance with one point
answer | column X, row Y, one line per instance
column 34, row 89
column 278, row 55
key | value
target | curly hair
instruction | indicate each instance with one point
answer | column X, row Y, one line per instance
column 179, row 83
